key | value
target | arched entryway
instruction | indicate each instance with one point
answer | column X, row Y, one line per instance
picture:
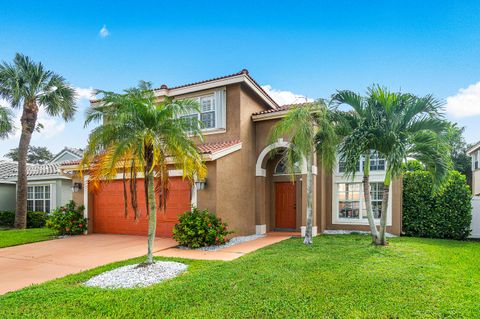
column 280, row 195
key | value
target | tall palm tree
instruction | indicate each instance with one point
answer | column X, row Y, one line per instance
column 310, row 130
column 140, row 137
column 26, row 84
column 6, row 122
column 397, row 126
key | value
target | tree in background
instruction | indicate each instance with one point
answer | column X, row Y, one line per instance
column 35, row 155
column 461, row 160
column 139, row 138
column 26, row 85
column 310, row 130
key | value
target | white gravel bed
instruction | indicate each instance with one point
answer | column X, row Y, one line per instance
column 232, row 242
column 132, row 276
column 346, row 232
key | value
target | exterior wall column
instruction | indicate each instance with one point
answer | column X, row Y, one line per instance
column 260, row 206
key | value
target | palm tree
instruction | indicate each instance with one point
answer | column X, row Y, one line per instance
column 310, row 130
column 397, row 126
column 6, row 122
column 25, row 83
column 140, row 137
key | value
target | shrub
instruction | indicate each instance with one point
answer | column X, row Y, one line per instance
column 7, row 219
column 34, row 219
column 199, row 229
column 445, row 214
column 68, row 219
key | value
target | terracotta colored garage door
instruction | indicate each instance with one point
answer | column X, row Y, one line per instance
column 109, row 213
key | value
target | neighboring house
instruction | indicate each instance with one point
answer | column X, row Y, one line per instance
column 474, row 153
column 47, row 188
column 246, row 186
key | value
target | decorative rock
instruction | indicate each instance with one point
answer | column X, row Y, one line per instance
column 231, row 242
column 132, row 276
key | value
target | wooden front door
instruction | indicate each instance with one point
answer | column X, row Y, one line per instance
column 285, row 205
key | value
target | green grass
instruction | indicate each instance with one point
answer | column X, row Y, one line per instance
column 339, row 277
column 15, row 237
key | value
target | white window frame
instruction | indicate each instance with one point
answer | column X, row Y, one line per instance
column 475, row 160
column 376, row 176
column 219, row 108
column 52, row 198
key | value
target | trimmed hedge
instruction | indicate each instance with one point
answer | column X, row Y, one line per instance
column 445, row 214
column 34, row 219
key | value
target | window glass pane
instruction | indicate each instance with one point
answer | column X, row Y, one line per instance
column 30, row 192
column 29, row 205
column 47, row 206
column 376, row 194
column 190, row 119
column 38, row 192
column 377, row 163
column 39, row 207
column 208, row 119
column 349, row 200
column 207, row 103
column 47, row 191
column 341, row 166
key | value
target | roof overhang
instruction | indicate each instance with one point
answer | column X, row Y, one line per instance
column 239, row 78
column 473, row 148
column 269, row 116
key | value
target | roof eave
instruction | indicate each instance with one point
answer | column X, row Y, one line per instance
column 269, row 116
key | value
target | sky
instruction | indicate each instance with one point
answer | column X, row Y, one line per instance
column 295, row 49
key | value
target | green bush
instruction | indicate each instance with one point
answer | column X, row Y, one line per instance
column 7, row 219
column 34, row 219
column 199, row 229
column 68, row 219
column 445, row 214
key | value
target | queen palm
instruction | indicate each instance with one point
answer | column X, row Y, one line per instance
column 139, row 138
column 311, row 132
column 397, row 126
column 26, row 84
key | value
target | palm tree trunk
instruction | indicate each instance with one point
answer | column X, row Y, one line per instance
column 368, row 198
column 308, row 232
column 152, row 217
column 383, row 219
column 28, row 121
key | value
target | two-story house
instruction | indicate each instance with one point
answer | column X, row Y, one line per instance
column 245, row 186
column 474, row 153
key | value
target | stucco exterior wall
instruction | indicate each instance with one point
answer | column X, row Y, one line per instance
column 78, row 197
column 7, row 197
column 476, row 182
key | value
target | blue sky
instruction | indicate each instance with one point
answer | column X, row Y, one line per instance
column 308, row 48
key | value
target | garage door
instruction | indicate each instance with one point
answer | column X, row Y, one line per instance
column 109, row 214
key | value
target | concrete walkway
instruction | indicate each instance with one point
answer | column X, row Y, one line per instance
column 228, row 253
column 24, row 265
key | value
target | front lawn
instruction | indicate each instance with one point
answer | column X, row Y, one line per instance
column 339, row 277
column 15, row 237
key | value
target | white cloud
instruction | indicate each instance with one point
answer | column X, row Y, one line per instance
column 465, row 103
column 104, row 32
column 85, row 93
column 285, row 97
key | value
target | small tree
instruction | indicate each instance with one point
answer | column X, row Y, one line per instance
column 27, row 85
column 311, row 132
column 139, row 138
column 6, row 119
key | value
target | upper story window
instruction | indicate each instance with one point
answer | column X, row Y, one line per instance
column 377, row 163
column 212, row 111
column 475, row 158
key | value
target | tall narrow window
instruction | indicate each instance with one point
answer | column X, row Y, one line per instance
column 349, row 200
column 377, row 163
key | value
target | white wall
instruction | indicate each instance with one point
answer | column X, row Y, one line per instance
column 475, row 217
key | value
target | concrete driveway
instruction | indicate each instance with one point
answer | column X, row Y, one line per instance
column 21, row 266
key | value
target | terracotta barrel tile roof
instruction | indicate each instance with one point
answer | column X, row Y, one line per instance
column 206, row 148
column 280, row 108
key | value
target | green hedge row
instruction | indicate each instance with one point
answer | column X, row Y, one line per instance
column 445, row 214
column 34, row 219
